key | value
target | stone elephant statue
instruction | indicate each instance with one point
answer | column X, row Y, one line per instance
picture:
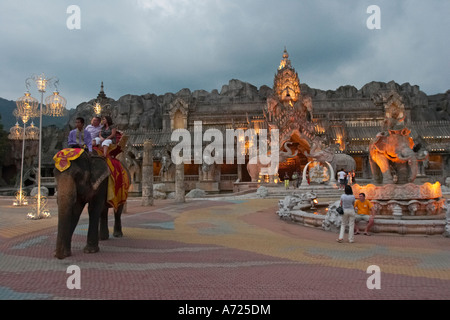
column 343, row 161
column 395, row 151
column 167, row 171
column 254, row 169
column 85, row 181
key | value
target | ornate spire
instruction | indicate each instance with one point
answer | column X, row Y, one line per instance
column 285, row 62
column 286, row 82
column 101, row 95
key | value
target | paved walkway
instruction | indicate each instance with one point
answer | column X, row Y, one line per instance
column 211, row 249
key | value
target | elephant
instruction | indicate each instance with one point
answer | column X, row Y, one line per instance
column 84, row 182
column 395, row 151
column 343, row 161
column 328, row 154
column 254, row 167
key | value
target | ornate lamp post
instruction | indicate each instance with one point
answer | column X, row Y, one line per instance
column 55, row 106
column 17, row 133
column 27, row 108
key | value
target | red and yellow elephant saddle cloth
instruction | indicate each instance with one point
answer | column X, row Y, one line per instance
column 118, row 183
column 63, row 158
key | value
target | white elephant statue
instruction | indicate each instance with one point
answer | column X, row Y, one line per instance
column 254, row 167
column 343, row 161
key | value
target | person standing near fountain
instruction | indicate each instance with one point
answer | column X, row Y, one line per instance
column 341, row 176
column 348, row 218
column 286, row 180
column 364, row 212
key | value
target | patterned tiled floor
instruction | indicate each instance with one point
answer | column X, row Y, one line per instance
column 212, row 249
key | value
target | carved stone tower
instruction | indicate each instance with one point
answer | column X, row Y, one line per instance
column 286, row 85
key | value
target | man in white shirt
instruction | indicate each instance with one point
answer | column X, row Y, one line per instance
column 94, row 128
column 341, row 177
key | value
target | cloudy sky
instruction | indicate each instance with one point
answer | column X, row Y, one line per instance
column 160, row 46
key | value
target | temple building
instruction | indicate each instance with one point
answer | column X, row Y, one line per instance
column 346, row 119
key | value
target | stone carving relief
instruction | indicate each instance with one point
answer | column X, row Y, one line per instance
column 286, row 205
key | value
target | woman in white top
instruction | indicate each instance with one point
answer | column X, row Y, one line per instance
column 107, row 135
column 341, row 177
column 348, row 218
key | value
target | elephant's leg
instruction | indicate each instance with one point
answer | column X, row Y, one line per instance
column 65, row 231
column 104, row 231
column 402, row 173
column 414, row 167
column 96, row 206
column 93, row 237
column 118, row 222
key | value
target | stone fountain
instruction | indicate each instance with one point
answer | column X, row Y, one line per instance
column 400, row 205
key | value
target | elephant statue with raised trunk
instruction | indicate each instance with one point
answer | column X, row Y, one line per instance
column 394, row 157
column 254, row 167
column 81, row 179
column 320, row 153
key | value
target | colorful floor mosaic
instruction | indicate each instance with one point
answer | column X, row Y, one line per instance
column 212, row 249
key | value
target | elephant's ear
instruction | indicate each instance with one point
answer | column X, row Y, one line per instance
column 99, row 171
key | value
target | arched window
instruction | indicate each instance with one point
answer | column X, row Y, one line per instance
column 178, row 121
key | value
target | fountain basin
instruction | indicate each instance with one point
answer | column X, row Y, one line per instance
column 399, row 201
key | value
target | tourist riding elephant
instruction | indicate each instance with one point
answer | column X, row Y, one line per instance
column 396, row 151
column 84, row 181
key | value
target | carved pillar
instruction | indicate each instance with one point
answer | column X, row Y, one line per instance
column 239, row 172
column 147, row 174
column 179, row 183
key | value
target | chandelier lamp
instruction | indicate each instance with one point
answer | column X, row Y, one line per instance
column 55, row 107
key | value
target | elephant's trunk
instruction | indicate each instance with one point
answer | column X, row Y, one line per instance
column 414, row 169
column 406, row 155
column 287, row 154
column 66, row 205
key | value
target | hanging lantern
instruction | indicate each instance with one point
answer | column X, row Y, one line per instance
column 55, row 105
column 16, row 132
column 41, row 82
column 32, row 132
column 27, row 108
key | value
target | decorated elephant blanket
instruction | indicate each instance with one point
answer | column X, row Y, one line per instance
column 118, row 183
column 118, row 180
column 63, row 158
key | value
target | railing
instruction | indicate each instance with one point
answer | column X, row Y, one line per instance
column 48, row 180
column 434, row 173
column 228, row 177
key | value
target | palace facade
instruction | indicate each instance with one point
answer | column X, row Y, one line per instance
column 347, row 118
